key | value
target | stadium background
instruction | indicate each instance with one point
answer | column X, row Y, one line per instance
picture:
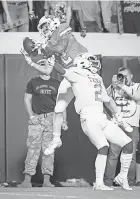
column 75, row 159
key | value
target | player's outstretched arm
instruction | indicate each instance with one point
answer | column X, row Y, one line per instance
column 38, row 68
column 59, row 69
column 69, row 74
column 37, row 65
column 108, row 101
column 111, row 105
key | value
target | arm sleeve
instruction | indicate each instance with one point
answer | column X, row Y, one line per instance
column 109, row 91
column 71, row 75
column 105, row 96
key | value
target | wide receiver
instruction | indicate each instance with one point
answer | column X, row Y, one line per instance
column 89, row 105
column 58, row 41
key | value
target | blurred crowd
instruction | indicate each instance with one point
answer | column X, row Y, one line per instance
column 83, row 16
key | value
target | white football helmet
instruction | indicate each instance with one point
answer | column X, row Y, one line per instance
column 47, row 25
column 88, row 61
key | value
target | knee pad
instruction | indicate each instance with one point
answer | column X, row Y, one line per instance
column 103, row 150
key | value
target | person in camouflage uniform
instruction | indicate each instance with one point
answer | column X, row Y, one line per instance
column 40, row 99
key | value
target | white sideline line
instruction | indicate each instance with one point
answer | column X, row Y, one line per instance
column 39, row 195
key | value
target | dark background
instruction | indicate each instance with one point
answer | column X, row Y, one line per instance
column 75, row 159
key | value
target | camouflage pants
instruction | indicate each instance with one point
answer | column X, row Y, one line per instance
column 39, row 137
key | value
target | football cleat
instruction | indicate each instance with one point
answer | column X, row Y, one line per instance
column 56, row 143
column 122, row 182
column 102, row 187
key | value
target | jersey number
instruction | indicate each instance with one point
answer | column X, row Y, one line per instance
column 66, row 59
column 97, row 89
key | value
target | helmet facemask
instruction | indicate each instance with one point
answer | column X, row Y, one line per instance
column 88, row 62
column 47, row 26
column 94, row 65
column 45, row 32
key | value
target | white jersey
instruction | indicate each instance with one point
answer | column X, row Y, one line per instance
column 88, row 89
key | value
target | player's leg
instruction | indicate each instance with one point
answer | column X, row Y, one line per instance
column 65, row 95
column 117, row 136
column 93, row 130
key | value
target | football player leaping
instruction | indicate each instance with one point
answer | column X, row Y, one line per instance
column 58, row 40
column 91, row 112
column 90, row 94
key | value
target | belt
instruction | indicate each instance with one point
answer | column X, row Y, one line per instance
column 16, row 3
column 45, row 115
